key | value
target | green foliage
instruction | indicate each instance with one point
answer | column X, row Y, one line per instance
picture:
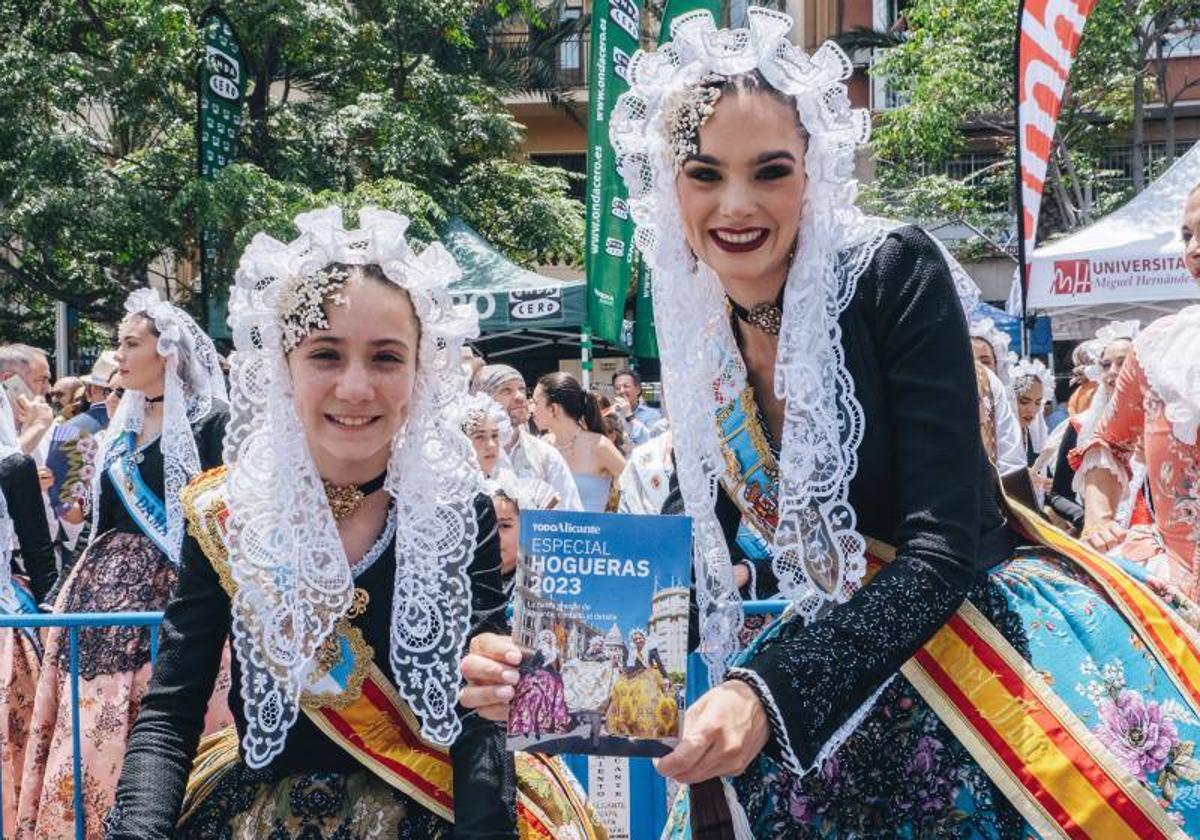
column 389, row 102
column 954, row 73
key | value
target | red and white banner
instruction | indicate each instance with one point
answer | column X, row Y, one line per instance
column 1046, row 46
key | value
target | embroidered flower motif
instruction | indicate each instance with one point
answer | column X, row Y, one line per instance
column 1137, row 732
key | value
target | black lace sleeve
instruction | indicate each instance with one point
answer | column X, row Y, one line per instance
column 23, row 496
column 485, row 806
column 814, row 678
column 1061, row 497
column 163, row 743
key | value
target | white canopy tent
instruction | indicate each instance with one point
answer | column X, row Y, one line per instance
column 1127, row 265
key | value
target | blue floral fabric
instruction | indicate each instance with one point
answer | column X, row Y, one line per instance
column 902, row 774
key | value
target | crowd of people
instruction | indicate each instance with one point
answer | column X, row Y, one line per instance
column 330, row 520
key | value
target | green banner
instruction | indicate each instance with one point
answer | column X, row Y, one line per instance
column 222, row 83
column 645, row 337
column 616, row 26
column 675, row 8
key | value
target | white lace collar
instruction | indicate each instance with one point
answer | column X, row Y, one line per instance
column 1169, row 353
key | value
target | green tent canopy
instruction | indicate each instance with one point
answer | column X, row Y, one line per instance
column 506, row 296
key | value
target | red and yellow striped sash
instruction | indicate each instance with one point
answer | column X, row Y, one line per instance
column 379, row 731
column 1040, row 755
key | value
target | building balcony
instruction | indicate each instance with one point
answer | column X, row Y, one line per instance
column 562, row 66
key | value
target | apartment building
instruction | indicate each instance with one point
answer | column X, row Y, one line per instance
column 557, row 134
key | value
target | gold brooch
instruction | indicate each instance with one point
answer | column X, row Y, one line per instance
column 344, row 499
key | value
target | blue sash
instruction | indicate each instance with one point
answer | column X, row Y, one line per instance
column 751, row 476
column 144, row 505
column 26, row 605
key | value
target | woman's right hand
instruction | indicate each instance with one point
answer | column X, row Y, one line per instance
column 490, row 668
column 1106, row 536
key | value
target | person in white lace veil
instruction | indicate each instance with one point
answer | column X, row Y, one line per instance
column 347, row 552
column 166, row 430
column 991, row 346
column 1032, row 384
column 485, row 422
column 818, row 374
column 192, row 384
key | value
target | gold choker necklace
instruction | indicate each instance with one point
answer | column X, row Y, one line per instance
column 346, row 499
column 765, row 316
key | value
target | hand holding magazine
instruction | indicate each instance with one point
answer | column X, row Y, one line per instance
column 600, row 613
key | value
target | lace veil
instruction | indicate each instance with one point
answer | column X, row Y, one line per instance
column 193, row 381
column 818, row 552
column 1105, row 336
column 292, row 575
column 1000, row 341
column 8, row 541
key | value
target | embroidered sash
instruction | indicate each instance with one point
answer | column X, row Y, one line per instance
column 144, row 505
column 1057, row 774
column 358, row 708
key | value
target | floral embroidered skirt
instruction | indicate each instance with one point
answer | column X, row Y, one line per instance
column 120, row 572
column 20, row 663
column 902, row 774
column 236, row 802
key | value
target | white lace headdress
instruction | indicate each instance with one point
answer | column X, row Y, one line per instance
column 1024, row 373
column 986, row 329
column 292, row 575
column 1106, row 335
column 818, row 553
column 193, row 382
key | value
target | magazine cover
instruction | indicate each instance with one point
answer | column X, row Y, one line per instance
column 600, row 611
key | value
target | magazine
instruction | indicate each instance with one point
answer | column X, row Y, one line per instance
column 600, row 611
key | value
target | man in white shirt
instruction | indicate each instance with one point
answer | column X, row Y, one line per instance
column 528, row 454
column 31, row 413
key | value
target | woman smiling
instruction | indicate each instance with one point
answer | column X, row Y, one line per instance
column 348, row 554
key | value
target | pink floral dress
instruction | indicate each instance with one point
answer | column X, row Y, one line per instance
column 1138, row 418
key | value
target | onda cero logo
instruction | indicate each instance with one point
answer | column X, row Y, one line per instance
column 534, row 304
column 1072, row 277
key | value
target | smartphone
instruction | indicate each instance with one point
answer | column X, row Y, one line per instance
column 15, row 387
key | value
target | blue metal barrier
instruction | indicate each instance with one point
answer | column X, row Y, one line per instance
column 646, row 812
column 73, row 622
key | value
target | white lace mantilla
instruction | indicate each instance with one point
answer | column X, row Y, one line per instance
column 818, row 553
column 293, row 578
column 193, row 382
column 8, row 541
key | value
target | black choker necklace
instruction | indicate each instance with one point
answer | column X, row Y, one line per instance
column 764, row 316
column 345, row 499
column 157, row 399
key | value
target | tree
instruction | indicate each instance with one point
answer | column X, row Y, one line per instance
column 953, row 72
column 394, row 103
